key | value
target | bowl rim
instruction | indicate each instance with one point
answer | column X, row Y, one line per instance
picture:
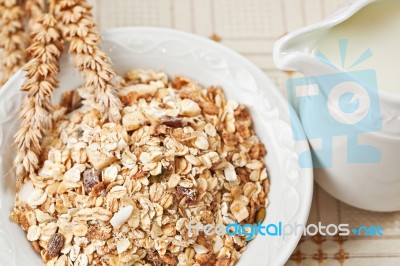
column 307, row 178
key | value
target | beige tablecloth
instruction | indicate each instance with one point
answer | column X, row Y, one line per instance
column 251, row 27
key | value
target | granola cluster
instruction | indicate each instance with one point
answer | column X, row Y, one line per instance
column 123, row 194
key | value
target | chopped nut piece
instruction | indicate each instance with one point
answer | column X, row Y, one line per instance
column 100, row 160
column 189, row 108
column 201, row 143
column 74, row 174
column 110, row 173
column 200, row 249
column 133, row 120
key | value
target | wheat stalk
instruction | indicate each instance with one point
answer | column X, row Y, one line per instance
column 39, row 85
column 78, row 27
column 12, row 38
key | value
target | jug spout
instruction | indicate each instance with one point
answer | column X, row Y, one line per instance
column 296, row 51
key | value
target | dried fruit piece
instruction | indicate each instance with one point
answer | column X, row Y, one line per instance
column 91, row 178
column 55, row 244
column 189, row 193
column 174, row 122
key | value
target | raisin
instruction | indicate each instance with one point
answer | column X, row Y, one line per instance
column 56, row 243
column 91, row 178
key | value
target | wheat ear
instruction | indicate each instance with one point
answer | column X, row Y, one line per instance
column 12, row 38
column 39, row 85
column 78, row 27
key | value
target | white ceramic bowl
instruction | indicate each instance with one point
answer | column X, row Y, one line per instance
column 371, row 186
column 209, row 63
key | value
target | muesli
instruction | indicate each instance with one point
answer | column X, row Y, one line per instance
column 123, row 193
